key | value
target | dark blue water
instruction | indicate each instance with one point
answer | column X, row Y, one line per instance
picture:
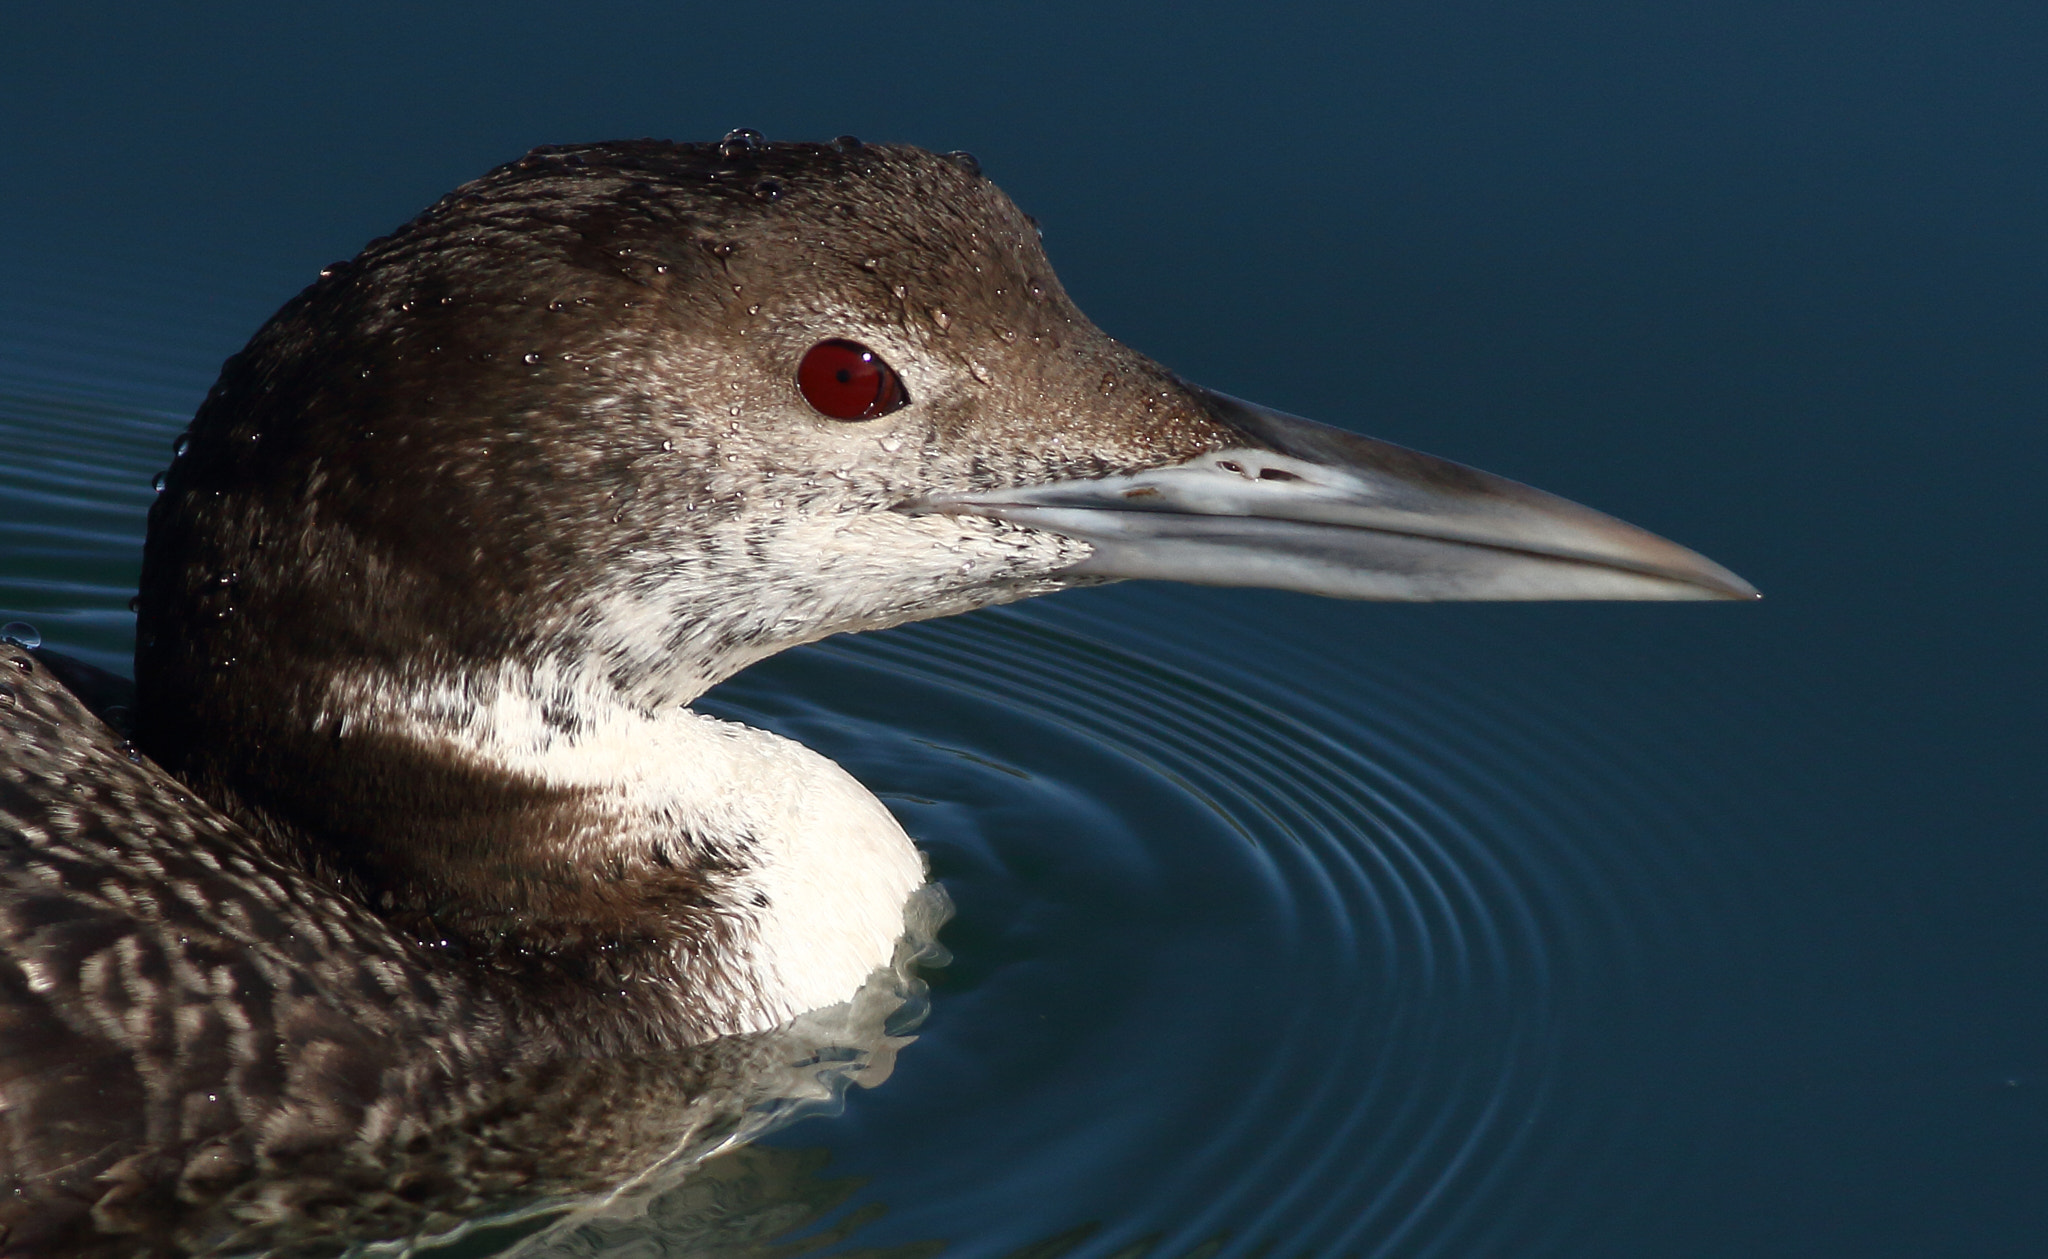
column 1288, row 927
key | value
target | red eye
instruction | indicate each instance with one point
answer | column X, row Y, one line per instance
column 847, row 381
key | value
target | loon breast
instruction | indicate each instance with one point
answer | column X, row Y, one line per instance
column 414, row 799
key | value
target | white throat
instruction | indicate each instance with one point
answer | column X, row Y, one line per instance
column 815, row 872
column 827, row 868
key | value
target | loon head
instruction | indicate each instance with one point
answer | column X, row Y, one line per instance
column 456, row 537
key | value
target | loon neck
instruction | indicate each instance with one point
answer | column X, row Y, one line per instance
column 712, row 877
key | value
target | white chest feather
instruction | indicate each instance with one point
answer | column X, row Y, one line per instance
column 827, row 869
column 813, row 872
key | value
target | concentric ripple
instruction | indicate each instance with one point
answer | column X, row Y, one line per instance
column 74, row 490
column 1237, row 967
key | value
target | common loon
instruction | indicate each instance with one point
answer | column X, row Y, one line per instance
column 414, row 796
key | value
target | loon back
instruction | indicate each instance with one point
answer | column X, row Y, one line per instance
column 202, row 1051
column 417, row 798
column 179, row 1007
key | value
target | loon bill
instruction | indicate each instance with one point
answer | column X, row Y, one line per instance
column 416, row 798
column 1302, row 506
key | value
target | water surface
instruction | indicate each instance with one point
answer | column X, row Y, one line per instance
column 1287, row 927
